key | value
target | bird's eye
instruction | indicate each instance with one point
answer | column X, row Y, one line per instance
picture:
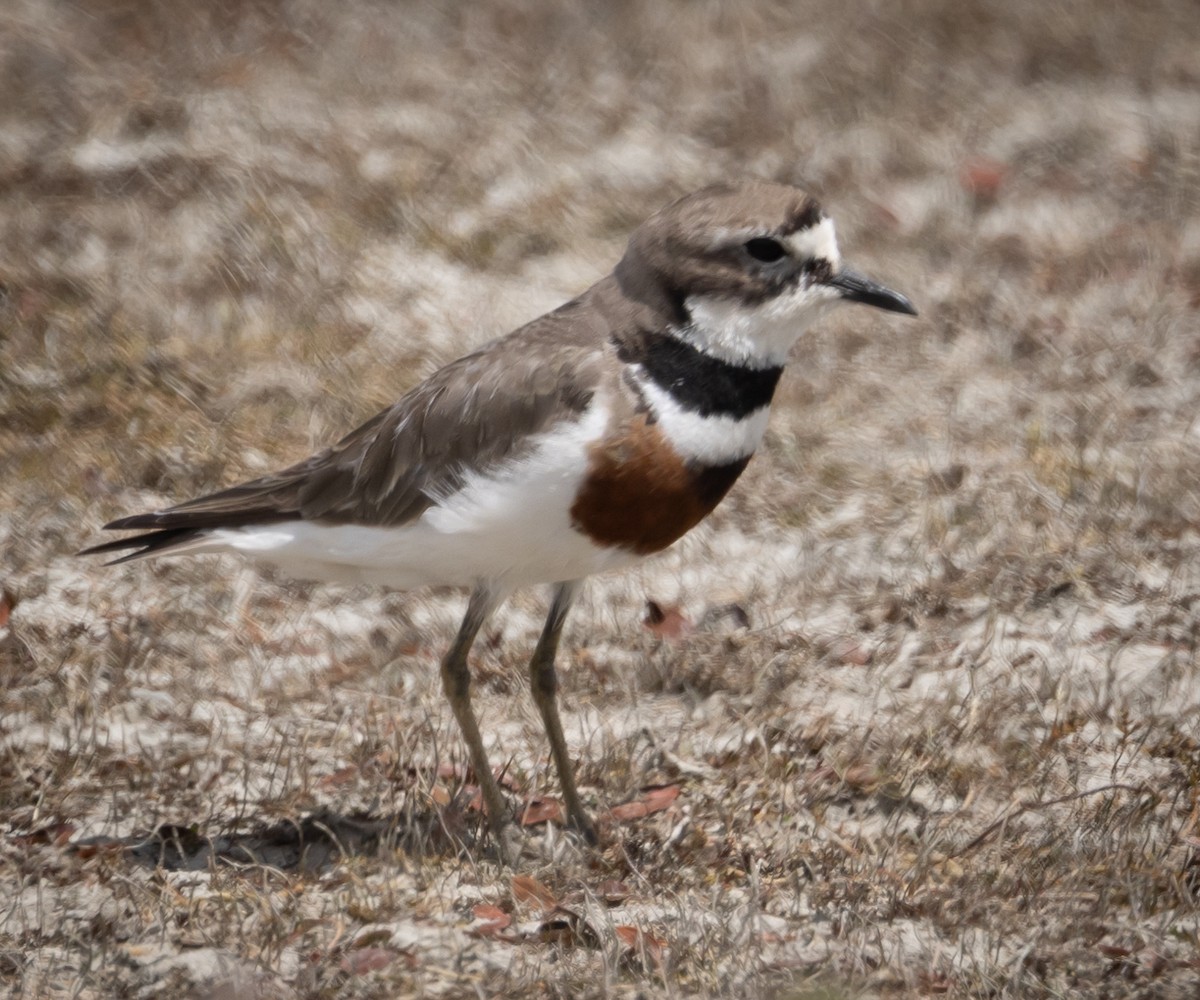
column 765, row 249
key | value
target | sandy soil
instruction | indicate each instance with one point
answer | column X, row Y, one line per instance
column 922, row 711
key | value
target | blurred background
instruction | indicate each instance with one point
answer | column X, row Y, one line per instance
column 225, row 218
column 229, row 231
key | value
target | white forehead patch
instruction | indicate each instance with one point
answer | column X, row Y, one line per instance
column 817, row 241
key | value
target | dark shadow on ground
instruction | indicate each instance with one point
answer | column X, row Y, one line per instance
column 307, row 844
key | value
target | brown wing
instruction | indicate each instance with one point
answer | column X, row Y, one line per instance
column 472, row 414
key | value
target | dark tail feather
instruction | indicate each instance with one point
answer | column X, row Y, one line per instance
column 165, row 530
column 151, row 543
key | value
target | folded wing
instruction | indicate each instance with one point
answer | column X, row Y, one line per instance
column 473, row 414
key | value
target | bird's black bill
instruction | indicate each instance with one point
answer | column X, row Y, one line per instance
column 855, row 287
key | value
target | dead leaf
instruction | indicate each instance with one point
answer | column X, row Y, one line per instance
column 7, row 603
column 527, row 890
column 641, row 944
column 652, row 800
column 494, row 920
column 360, row 961
column 541, row 810
column 342, row 776
column 982, row 178
column 666, row 621
column 57, row 834
column 850, row 652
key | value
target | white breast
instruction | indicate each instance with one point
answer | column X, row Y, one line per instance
column 711, row 440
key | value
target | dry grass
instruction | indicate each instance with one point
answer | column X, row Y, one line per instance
column 957, row 749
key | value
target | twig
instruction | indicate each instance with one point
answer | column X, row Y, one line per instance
column 1025, row 807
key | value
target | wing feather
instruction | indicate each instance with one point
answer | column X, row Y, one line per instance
column 473, row 414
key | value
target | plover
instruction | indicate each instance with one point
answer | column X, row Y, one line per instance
column 590, row 438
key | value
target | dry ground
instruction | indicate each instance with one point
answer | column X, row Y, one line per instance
column 934, row 720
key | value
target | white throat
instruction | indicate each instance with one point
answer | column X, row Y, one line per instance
column 754, row 336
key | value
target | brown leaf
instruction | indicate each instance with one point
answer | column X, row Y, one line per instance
column 360, row 961
column 639, row 943
column 982, row 178
column 527, row 890
column 541, row 810
column 342, row 776
column 850, row 652
column 57, row 834
column 7, row 603
column 666, row 621
column 494, row 920
column 652, row 800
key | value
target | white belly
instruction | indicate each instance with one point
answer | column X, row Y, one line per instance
column 511, row 526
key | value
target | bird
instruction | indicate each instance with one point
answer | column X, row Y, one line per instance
column 584, row 441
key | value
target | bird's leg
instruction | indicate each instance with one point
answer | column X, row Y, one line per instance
column 456, row 681
column 543, row 680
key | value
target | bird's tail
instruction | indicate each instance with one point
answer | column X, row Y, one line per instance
column 165, row 541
